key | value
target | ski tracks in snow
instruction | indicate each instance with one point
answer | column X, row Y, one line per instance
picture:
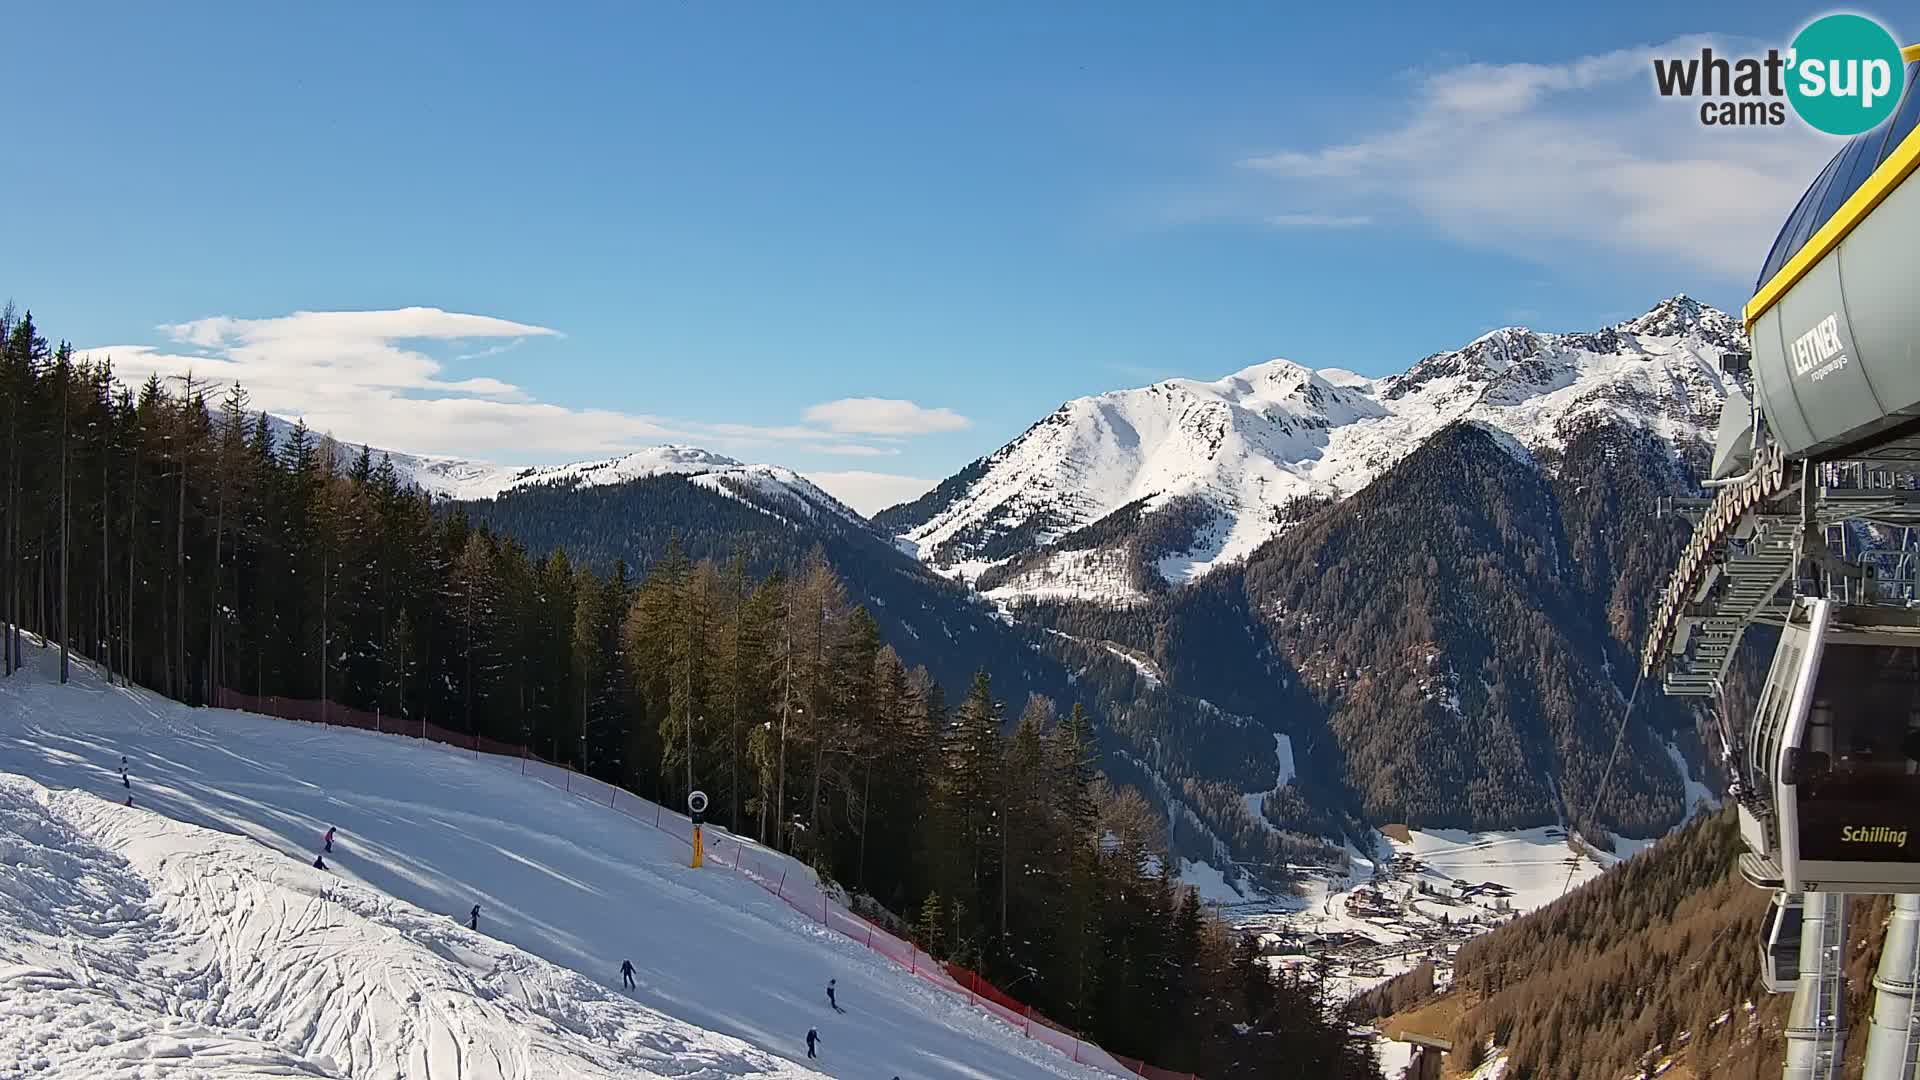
column 133, row 945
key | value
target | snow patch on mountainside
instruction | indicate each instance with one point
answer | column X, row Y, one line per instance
column 1698, row 794
column 1283, row 750
column 1066, row 575
column 1252, row 444
column 1213, row 886
column 1145, row 669
column 1208, row 549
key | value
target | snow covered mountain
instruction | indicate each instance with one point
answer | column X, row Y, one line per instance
column 1182, row 476
column 466, row 479
column 757, row 485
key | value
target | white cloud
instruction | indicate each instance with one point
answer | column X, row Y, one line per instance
column 884, row 416
column 1558, row 161
column 844, row 449
column 870, row 492
column 1318, row 221
column 399, row 324
column 378, row 377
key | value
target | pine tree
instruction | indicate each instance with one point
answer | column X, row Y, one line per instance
column 930, row 929
column 1031, row 878
column 971, row 799
column 185, row 548
column 473, row 594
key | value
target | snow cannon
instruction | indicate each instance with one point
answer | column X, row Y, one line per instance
column 697, row 814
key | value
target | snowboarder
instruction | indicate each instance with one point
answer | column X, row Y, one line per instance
column 329, row 840
column 830, row 1000
column 473, row 918
column 812, row 1037
column 319, row 862
column 626, row 974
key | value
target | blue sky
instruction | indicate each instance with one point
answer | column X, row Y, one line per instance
column 869, row 244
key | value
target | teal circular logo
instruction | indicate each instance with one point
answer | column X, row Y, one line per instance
column 1846, row 74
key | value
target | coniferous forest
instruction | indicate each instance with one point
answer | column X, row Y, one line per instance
column 166, row 533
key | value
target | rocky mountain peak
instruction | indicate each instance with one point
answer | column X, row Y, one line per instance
column 1274, row 434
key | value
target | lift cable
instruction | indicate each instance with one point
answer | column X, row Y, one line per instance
column 1619, row 737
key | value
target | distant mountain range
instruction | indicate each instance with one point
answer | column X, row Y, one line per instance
column 464, row 479
column 1296, row 600
column 1066, row 509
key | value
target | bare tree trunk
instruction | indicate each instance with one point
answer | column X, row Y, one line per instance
column 400, row 685
column 65, row 398
column 786, row 706
column 213, row 589
column 6, row 581
column 733, row 723
column 6, row 543
column 9, row 534
column 468, row 666
column 819, row 721
column 1003, row 872
column 127, row 628
column 180, row 569
column 866, row 800
column 106, row 578
column 326, row 576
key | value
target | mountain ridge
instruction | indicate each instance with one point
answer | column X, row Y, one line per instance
column 467, row 480
column 1575, row 433
column 1249, row 445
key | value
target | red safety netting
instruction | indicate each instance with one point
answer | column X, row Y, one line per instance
column 781, row 875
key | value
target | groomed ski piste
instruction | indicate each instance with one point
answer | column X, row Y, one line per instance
column 189, row 935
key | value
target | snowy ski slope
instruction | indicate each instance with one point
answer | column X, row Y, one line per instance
column 135, row 945
column 565, row 880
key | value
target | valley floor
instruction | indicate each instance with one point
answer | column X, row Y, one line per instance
column 1407, row 903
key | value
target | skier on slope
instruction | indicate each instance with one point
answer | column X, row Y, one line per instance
column 812, row 1037
column 319, row 862
column 626, row 974
column 473, row 918
column 328, row 840
column 124, row 782
column 830, row 998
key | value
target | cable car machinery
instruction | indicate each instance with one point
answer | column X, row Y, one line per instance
column 1814, row 527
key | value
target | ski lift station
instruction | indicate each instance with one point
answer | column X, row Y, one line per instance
column 1813, row 528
